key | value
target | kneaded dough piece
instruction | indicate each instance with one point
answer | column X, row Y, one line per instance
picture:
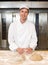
column 19, row 59
column 36, row 57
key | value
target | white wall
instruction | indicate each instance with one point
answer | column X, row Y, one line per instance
column 31, row 4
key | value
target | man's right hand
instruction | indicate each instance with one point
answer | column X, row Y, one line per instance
column 20, row 50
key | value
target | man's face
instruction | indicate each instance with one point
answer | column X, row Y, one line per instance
column 23, row 13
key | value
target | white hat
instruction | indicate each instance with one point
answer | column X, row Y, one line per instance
column 24, row 6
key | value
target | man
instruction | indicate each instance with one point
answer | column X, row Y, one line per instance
column 22, row 35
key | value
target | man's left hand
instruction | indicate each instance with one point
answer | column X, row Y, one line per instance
column 28, row 50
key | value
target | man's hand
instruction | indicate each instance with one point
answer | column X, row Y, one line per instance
column 20, row 50
column 28, row 50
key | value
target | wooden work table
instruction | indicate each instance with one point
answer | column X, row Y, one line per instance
column 5, row 55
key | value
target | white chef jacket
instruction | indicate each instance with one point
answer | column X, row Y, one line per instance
column 22, row 35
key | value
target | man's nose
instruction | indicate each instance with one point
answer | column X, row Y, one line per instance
column 24, row 13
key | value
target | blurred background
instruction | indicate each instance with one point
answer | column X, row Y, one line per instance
column 9, row 12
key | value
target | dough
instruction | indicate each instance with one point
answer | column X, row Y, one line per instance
column 12, row 58
column 36, row 57
column 19, row 59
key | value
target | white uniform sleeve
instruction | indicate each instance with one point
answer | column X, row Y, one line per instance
column 12, row 44
column 33, row 41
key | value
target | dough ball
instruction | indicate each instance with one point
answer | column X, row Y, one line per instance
column 22, row 58
column 36, row 57
column 19, row 59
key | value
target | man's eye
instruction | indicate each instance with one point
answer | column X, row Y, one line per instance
column 22, row 11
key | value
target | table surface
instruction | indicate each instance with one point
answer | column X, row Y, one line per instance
column 8, row 58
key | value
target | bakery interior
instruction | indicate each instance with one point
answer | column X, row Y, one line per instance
column 38, row 15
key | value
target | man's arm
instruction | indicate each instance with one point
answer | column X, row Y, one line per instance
column 12, row 45
column 33, row 41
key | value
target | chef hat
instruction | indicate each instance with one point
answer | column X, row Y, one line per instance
column 24, row 6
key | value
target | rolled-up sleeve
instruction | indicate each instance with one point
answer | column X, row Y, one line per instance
column 11, row 41
column 33, row 41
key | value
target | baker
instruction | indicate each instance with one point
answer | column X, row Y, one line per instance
column 22, row 34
